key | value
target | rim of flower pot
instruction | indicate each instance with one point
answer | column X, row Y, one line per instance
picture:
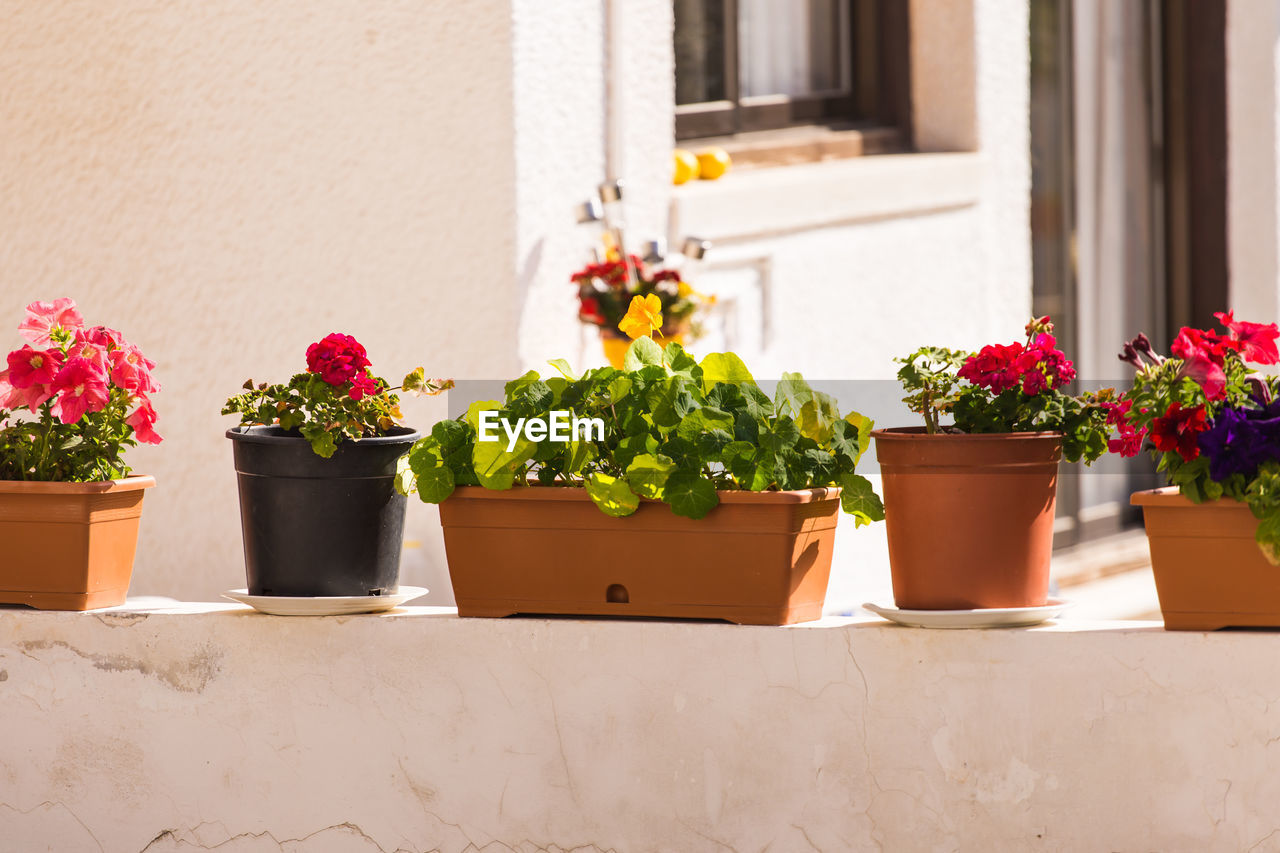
column 125, row 484
column 918, row 432
column 276, row 435
column 538, row 491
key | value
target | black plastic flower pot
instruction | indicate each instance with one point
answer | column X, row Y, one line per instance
column 320, row 527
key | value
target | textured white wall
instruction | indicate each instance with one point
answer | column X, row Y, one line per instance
column 1253, row 149
column 246, row 734
column 228, row 182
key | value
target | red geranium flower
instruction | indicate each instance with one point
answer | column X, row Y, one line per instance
column 336, row 358
column 361, row 384
column 994, row 367
column 1177, row 430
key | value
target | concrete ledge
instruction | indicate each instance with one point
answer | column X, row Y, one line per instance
column 762, row 202
column 197, row 726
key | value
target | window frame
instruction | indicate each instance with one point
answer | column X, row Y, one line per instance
column 879, row 95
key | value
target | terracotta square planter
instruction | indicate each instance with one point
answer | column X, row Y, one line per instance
column 1208, row 569
column 759, row 558
column 69, row 546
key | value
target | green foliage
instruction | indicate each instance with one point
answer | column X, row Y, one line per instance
column 928, row 376
column 675, row 430
column 321, row 413
column 89, row 450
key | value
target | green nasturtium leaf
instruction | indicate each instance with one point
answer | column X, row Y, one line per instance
column 679, row 361
column 619, row 387
column 671, row 400
column 690, row 495
column 648, row 474
column 641, row 352
column 472, row 417
column 724, row 367
column 703, row 420
column 404, row 476
column 564, row 369
column 1268, row 538
column 579, row 454
column 432, row 477
column 817, row 415
column 860, row 500
column 495, row 466
column 612, row 495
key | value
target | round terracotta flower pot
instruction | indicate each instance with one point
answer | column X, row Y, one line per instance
column 969, row 518
column 320, row 527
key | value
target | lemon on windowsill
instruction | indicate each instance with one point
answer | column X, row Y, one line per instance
column 713, row 162
column 686, row 166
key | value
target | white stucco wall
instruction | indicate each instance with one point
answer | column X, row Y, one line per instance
column 1253, row 149
column 228, row 183
column 219, row 728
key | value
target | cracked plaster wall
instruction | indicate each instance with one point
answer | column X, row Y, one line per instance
column 213, row 728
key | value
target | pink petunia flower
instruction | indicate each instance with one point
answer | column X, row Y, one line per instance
column 131, row 370
column 1257, row 340
column 143, row 422
column 84, row 346
column 81, row 386
column 43, row 318
column 29, row 366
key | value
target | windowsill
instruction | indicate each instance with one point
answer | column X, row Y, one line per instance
column 754, row 203
column 791, row 146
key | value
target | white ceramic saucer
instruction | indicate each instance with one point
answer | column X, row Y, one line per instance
column 989, row 617
column 337, row 605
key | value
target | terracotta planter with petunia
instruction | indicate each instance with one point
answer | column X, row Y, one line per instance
column 72, row 401
column 1212, row 421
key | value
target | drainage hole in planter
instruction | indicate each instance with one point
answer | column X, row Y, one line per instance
column 616, row 594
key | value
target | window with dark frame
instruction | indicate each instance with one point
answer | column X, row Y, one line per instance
column 744, row 66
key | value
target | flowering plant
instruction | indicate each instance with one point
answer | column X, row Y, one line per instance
column 606, row 290
column 1007, row 388
column 1211, row 422
column 75, row 401
column 337, row 398
column 671, row 428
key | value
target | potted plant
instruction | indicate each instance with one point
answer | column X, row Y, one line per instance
column 1213, row 425
column 72, row 401
column 671, row 487
column 315, row 461
column 607, row 290
column 969, row 506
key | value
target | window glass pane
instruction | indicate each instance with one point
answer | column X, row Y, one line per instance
column 793, row 47
column 700, row 35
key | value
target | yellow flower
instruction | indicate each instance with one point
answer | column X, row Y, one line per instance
column 643, row 317
column 683, row 289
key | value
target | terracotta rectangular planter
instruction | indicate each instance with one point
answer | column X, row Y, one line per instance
column 1208, row 569
column 69, row 546
column 759, row 558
